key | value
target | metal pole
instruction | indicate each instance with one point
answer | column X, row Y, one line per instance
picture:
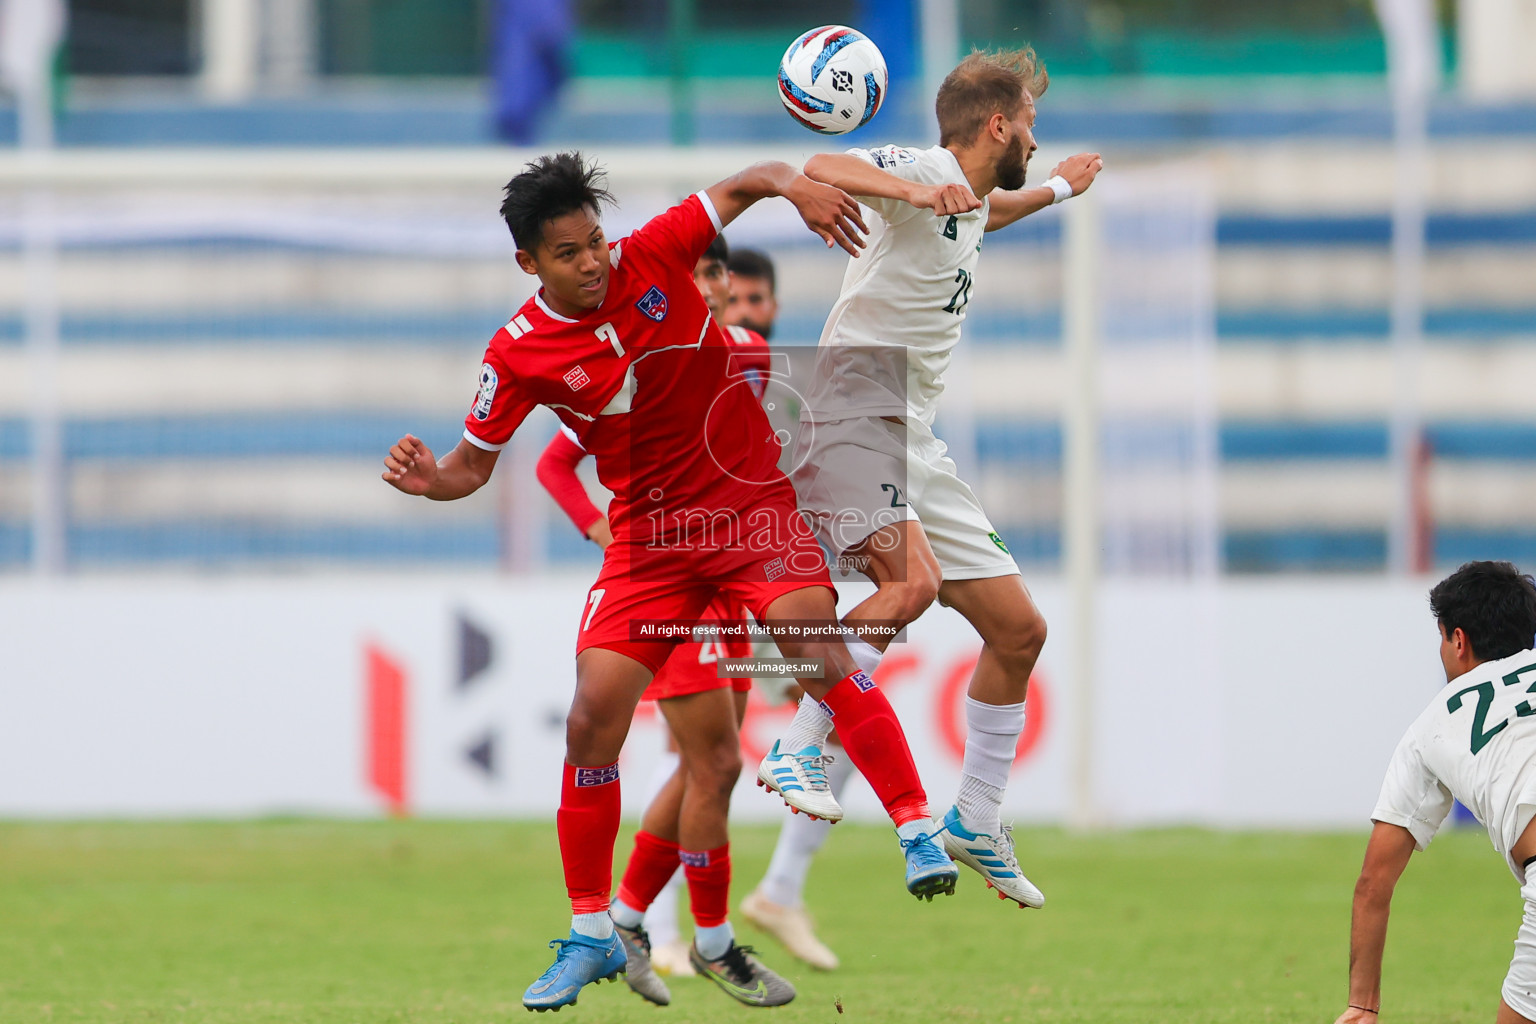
column 940, row 26
column 1413, row 62
column 1080, row 522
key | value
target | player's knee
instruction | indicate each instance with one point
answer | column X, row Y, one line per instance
column 585, row 734
column 717, row 768
column 1020, row 644
column 912, row 596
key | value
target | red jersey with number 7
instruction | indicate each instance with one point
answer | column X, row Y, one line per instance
column 647, row 382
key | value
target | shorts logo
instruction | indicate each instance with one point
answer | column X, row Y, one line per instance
column 694, row 858
column 597, row 776
column 487, row 393
column 827, row 710
column 774, row 569
column 999, row 542
column 577, row 379
column 653, row 304
column 862, row 681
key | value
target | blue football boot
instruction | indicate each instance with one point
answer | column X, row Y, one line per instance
column 580, row 961
column 930, row 872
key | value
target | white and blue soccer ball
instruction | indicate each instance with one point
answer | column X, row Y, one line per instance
column 832, row 79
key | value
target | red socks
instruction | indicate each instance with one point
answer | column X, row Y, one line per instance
column 588, row 823
column 651, row 866
column 867, row 725
column 709, row 884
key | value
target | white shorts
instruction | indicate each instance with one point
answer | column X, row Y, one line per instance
column 1520, row 983
column 856, row 476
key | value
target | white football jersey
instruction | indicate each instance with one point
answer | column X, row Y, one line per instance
column 888, row 339
column 1476, row 742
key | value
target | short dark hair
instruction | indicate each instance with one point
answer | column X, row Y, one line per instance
column 753, row 263
column 550, row 187
column 718, row 251
column 1493, row 603
column 986, row 83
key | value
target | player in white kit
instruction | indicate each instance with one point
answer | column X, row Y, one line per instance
column 1476, row 742
column 885, row 497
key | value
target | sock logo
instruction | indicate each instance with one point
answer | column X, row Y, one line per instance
column 597, row 776
column 862, row 681
column 826, row 709
column 694, row 858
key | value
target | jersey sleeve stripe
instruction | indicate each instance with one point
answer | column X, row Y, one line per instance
column 484, row 445
column 709, row 208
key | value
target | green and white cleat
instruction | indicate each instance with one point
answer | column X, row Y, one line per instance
column 639, row 975
column 992, row 858
column 801, row 779
column 742, row 976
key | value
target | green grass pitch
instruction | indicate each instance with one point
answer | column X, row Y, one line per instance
column 423, row 921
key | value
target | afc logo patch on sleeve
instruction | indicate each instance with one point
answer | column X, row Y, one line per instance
column 487, row 393
column 653, row 304
column 887, row 157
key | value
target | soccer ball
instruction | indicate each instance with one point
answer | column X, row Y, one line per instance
column 832, row 79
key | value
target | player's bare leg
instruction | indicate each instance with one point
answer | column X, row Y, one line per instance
column 608, row 686
column 1012, row 632
column 899, row 561
column 1509, row 1016
column 685, row 823
column 871, row 735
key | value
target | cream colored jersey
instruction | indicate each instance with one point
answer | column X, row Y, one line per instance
column 1476, row 742
column 887, row 342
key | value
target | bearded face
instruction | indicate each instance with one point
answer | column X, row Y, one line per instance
column 1010, row 166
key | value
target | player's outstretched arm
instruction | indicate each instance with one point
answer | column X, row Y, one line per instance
column 1077, row 171
column 830, row 212
column 1386, row 855
column 861, row 178
column 411, row 467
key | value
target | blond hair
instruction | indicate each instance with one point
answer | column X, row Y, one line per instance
column 985, row 83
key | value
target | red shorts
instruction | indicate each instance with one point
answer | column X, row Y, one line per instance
column 640, row 591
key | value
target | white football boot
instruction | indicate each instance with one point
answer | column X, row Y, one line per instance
column 991, row 857
column 801, row 779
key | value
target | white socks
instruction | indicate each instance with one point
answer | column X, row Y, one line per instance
column 799, row 839
column 864, row 655
column 811, row 726
column 917, row 827
column 624, row 915
column 712, row 943
column 991, row 739
column 593, row 926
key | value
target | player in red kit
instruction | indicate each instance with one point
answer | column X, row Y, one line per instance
column 702, row 711
column 619, row 344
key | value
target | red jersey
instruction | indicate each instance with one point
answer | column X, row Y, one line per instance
column 644, row 382
column 751, row 358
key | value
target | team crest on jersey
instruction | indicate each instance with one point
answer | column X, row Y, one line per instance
column 577, row 379
column 653, row 304
column 487, row 393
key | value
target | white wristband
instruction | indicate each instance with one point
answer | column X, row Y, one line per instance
column 1057, row 184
